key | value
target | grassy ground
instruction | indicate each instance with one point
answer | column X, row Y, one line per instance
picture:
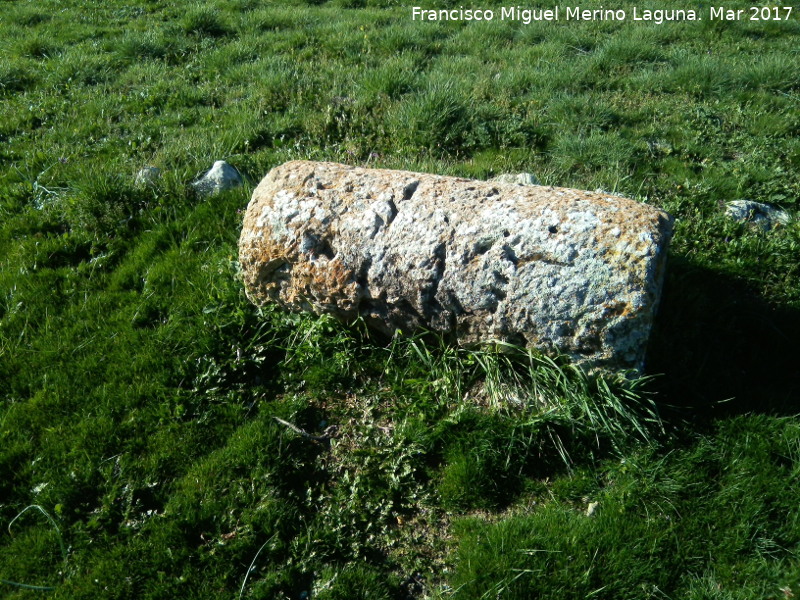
column 139, row 388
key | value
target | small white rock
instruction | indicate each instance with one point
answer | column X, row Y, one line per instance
column 148, row 176
column 518, row 178
column 219, row 178
column 763, row 215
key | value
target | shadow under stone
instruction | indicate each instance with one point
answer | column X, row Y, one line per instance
column 721, row 348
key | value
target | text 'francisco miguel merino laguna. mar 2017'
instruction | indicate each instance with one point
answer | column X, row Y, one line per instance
column 578, row 13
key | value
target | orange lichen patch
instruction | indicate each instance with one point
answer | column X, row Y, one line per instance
column 259, row 259
column 323, row 283
column 617, row 309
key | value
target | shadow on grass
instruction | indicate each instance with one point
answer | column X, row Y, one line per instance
column 723, row 350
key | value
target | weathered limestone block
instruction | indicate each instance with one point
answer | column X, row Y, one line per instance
column 548, row 267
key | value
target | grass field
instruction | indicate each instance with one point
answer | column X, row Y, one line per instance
column 139, row 388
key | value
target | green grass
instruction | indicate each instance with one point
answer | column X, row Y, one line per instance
column 139, row 387
column 640, row 539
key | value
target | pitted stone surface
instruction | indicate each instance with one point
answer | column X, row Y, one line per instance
column 554, row 268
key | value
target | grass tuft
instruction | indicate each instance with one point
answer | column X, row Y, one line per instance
column 205, row 21
column 51, row 521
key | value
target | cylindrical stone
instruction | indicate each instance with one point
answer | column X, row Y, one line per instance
column 558, row 269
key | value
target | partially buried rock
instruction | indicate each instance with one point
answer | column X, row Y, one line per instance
column 219, row 178
column 148, row 176
column 517, row 178
column 762, row 215
column 554, row 268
